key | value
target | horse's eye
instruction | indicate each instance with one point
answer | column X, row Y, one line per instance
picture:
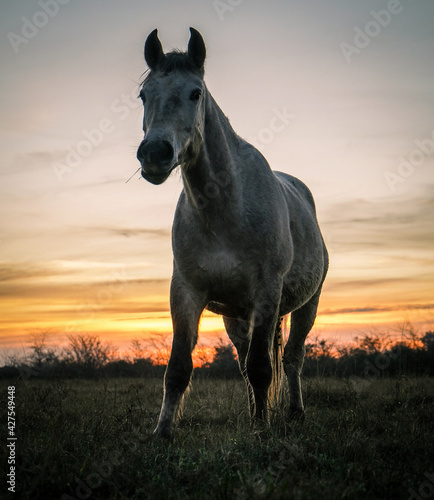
column 195, row 95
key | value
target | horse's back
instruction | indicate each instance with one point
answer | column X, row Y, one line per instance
column 294, row 187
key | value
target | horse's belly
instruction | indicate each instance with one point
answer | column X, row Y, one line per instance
column 228, row 310
column 299, row 289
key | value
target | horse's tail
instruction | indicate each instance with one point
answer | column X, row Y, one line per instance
column 276, row 362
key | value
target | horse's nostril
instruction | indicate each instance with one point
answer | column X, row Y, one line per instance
column 168, row 150
column 155, row 153
column 159, row 152
column 141, row 153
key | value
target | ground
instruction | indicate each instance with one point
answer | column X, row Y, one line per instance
column 93, row 439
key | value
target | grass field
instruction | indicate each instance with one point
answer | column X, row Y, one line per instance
column 93, row 439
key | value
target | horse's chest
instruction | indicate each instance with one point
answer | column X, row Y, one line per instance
column 219, row 271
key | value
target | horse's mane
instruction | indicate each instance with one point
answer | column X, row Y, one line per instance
column 176, row 60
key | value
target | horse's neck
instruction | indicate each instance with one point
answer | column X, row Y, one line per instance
column 216, row 167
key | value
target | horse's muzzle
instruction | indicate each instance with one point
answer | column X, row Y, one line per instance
column 157, row 160
column 156, row 178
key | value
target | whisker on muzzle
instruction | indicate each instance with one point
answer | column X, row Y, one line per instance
column 133, row 175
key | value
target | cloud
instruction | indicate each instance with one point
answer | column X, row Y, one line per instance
column 387, row 224
column 24, row 163
column 379, row 309
column 63, row 283
column 357, row 284
column 129, row 231
column 10, row 272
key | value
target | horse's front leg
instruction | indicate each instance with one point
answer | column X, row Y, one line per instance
column 186, row 310
column 259, row 361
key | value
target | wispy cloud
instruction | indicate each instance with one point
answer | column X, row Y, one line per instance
column 128, row 231
column 358, row 284
column 12, row 272
column 403, row 223
column 378, row 309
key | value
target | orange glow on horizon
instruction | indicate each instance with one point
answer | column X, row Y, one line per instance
column 119, row 327
column 138, row 309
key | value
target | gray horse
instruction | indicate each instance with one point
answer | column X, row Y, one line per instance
column 246, row 242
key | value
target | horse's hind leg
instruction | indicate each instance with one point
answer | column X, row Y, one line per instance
column 302, row 321
column 185, row 312
column 238, row 332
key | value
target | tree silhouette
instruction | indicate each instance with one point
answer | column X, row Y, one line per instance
column 224, row 363
column 88, row 352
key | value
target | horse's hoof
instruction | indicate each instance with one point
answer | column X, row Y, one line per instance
column 296, row 415
column 164, row 433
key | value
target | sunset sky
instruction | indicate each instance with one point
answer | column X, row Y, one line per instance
column 337, row 93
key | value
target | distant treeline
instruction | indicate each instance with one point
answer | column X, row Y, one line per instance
column 369, row 357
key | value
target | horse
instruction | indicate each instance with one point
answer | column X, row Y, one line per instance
column 245, row 239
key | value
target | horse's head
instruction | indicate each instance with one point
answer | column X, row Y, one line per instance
column 173, row 96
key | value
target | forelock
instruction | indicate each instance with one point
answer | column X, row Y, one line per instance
column 174, row 61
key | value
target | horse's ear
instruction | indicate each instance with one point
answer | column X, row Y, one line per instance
column 196, row 49
column 153, row 50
